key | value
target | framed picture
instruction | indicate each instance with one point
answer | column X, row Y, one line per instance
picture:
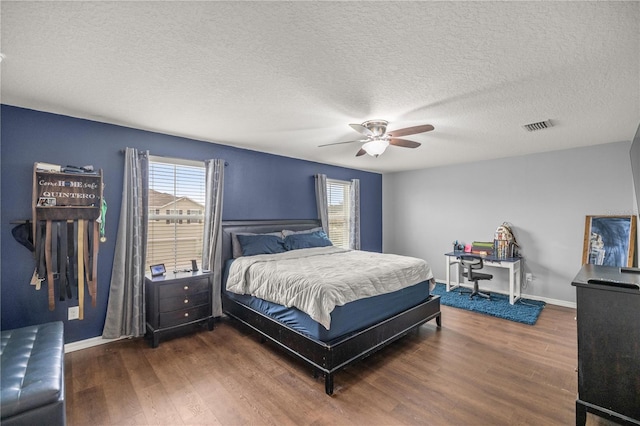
column 609, row 240
column 157, row 270
column 46, row 202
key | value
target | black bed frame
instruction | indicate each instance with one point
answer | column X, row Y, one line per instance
column 325, row 357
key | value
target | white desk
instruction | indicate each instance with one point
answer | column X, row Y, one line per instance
column 510, row 263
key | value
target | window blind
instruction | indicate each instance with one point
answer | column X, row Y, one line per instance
column 176, row 212
column 338, row 200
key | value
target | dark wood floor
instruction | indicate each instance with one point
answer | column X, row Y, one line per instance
column 475, row 370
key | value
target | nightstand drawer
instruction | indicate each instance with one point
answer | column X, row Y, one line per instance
column 169, row 319
column 169, row 304
column 184, row 288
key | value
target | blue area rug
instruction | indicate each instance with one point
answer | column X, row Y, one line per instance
column 524, row 310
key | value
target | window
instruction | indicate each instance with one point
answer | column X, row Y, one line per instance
column 176, row 212
column 194, row 215
column 175, row 216
column 338, row 200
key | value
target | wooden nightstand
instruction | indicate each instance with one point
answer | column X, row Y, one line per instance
column 177, row 300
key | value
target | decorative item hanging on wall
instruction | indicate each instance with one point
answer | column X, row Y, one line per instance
column 69, row 217
column 609, row 240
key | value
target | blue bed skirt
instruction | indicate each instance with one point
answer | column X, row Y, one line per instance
column 345, row 319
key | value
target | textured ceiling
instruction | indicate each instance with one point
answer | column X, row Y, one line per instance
column 285, row 77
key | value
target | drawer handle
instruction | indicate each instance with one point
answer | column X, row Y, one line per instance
column 186, row 301
column 186, row 287
column 186, row 314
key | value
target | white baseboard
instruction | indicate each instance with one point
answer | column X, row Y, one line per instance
column 96, row 341
column 88, row 343
column 548, row 300
column 556, row 302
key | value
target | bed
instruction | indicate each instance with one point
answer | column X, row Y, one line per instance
column 357, row 328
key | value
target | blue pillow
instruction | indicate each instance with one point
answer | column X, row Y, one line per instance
column 261, row 244
column 313, row 239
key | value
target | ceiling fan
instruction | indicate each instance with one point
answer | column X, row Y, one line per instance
column 377, row 138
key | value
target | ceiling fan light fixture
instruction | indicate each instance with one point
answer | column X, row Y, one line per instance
column 375, row 147
column 376, row 139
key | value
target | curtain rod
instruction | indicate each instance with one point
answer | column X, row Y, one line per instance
column 122, row 151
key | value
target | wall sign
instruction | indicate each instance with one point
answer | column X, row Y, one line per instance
column 66, row 196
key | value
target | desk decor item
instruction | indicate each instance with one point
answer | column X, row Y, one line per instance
column 609, row 240
column 482, row 248
column 505, row 244
column 158, row 270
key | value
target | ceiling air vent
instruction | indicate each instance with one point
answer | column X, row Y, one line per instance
column 541, row 125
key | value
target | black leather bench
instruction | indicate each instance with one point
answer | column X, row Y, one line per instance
column 32, row 380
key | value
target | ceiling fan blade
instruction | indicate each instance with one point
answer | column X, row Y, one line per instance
column 405, row 143
column 411, row 130
column 340, row 143
column 361, row 152
column 361, row 129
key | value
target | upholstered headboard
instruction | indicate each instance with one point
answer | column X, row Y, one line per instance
column 260, row 227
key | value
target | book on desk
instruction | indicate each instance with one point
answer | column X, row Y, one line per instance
column 500, row 249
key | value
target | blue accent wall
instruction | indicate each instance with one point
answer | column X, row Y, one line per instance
column 257, row 186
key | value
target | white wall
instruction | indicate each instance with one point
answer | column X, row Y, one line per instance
column 544, row 196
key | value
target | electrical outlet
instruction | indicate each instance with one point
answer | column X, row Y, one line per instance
column 528, row 277
column 74, row 312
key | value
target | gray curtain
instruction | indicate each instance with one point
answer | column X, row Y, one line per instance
column 354, row 215
column 212, row 241
column 125, row 310
column 321, row 201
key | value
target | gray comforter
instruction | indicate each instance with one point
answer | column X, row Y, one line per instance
column 316, row 280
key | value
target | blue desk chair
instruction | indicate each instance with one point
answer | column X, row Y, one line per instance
column 470, row 265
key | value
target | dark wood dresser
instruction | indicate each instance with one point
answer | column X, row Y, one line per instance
column 177, row 300
column 608, row 315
